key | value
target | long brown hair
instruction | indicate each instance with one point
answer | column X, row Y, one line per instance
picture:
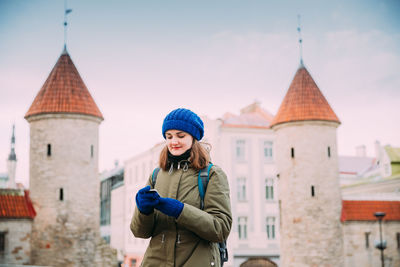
column 199, row 156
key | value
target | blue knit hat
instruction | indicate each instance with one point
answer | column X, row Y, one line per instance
column 184, row 120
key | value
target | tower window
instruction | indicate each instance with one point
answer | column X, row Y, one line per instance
column 312, row 191
column 48, row 150
column 367, row 234
column 398, row 239
column 2, row 242
column 329, row 151
column 292, row 151
column 91, row 151
column 61, row 194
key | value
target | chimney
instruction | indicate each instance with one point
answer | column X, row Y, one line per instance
column 361, row 151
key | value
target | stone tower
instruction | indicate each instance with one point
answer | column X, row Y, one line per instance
column 307, row 163
column 64, row 138
column 12, row 162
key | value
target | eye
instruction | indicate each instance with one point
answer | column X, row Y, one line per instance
column 181, row 135
column 169, row 136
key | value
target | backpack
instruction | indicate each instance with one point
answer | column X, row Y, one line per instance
column 203, row 178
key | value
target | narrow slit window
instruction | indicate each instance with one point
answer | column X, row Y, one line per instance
column 329, row 151
column 292, row 151
column 48, row 150
column 2, row 242
column 312, row 191
column 398, row 239
column 61, row 194
column 91, row 151
column 367, row 234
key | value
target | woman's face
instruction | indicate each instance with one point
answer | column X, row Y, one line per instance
column 178, row 141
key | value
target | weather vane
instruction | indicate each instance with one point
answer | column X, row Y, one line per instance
column 300, row 40
column 66, row 12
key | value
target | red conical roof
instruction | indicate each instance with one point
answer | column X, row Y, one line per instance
column 304, row 102
column 64, row 92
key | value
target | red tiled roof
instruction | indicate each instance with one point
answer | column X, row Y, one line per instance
column 304, row 101
column 363, row 210
column 16, row 203
column 64, row 92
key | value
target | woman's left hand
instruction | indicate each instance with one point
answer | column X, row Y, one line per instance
column 170, row 206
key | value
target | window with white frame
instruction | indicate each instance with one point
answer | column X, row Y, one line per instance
column 241, row 189
column 269, row 189
column 242, row 227
column 240, row 149
column 270, row 227
column 268, row 151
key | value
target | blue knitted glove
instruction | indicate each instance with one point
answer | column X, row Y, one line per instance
column 146, row 200
column 170, row 206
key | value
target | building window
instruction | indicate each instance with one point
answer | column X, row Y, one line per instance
column 270, row 227
column 61, row 195
column 367, row 234
column 292, row 152
column 268, row 150
column 105, row 202
column 312, row 191
column 269, row 188
column 241, row 189
column 242, row 228
column 2, row 242
column 240, row 149
column 91, row 151
column 329, row 151
column 107, row 239
column 48, row 150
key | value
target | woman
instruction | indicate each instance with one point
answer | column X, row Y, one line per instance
column 182, row 234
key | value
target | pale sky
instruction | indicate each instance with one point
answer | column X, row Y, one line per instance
column 141, row 59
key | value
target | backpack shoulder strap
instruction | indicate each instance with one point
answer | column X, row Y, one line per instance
column 204, row 177
column 154, row 176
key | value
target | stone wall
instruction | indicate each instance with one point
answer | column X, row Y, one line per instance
column 17, row 241
column 66, row 229
column 311, row 231
column 356, row 251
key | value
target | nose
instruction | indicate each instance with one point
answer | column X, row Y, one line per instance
column 174, row 140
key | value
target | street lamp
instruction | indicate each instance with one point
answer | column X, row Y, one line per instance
column 380, row 246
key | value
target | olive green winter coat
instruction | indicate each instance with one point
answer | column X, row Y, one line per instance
column 192, row 239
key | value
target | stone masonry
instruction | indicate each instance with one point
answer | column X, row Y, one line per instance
column 65, row 191
column 359, row 253
column 18, row 248
column 311, row 231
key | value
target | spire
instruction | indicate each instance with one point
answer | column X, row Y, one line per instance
column 304, row 102
column 300, row 42
column 66, row 12
column 12, row 156
column 64, row 92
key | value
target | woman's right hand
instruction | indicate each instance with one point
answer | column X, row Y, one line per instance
column 146, row 200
